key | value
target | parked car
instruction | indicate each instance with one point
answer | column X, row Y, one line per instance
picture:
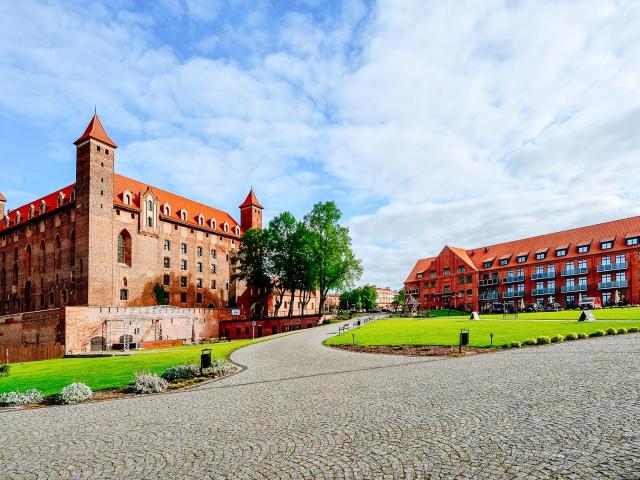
column 497, row 308
column 553, row 307
column 590, row 303
column 533, row 307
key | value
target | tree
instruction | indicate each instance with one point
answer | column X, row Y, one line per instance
column 251, row 265
column 158, row 292
column 359, row 298
column 336, row 267
column 284, row 258
column 398, row 300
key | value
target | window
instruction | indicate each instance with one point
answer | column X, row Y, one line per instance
column 167, row 262
column 632, row 241
column 226, row 286
column 583, row 248
column 446, row 271
column 606, row 245
column 124, row 248
column 199, row 251
column 200, row 219
column 621, row 258
column 213, row 284
column 504, row 261
column 213, row 269
column 541, row 255
column 212, row 224
column 27, row 260
column 225, row 227
column 183, row 297
column 198, row 297
column 570, row 282
column 213, row 253
column 461, row 269
column 605, row 261
column 606, row 278
column 183, row 248
column 431, row 275
column 124, row 294
column 183, row 264
column 183, row 215
column 56, row 254
column 166, row 208
column 72, row 249
column 551, row 284
column 126, row 198
column 419, row 275
column 183, row 282
column 199, row 267
column 582, row 264
column 166, row 245
column 468, row 279
column 166, row 280
column 606, row 298
column 621, row 276
column 199, row 283
column 561, row 252
column 521, row 259
column 486, row 264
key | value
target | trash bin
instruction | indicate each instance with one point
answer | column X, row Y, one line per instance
column 464, row 337
column 205, row 359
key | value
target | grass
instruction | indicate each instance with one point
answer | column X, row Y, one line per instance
column 431, row 331
column 631, row 313
column 51, row 376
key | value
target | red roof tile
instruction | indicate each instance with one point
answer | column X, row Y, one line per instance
column 96, row 131
column 464, row 256
column 49, row 201
column 251, row 200
column 542, row 250
column 420, row 266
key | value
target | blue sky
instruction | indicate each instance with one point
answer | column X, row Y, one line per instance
column 464, row 123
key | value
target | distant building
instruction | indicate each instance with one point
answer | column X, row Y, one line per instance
column 385, row 297
column 332, row 302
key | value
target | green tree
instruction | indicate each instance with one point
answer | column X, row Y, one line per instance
column 335, row 265
column 158, row 293
column 251, row 264
column 284, row 261
column 398, row 300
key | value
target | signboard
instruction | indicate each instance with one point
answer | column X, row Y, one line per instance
column 474, row 316
column 235, row 311
column 587, row 316
column 253, row 323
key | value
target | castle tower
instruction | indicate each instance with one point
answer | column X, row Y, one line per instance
column 94, row 210
column 251, row 212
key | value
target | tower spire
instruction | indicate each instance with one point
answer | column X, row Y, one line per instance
column 96, row 131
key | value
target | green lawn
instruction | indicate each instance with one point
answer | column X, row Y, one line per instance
column 431, row 331
column 50, row 376
column 630, row 313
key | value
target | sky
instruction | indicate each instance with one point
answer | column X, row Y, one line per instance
column 429, row 123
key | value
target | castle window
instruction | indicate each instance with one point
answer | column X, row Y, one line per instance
column 237, row 230
column 199, row 283
column 27, row 261
column 199, row 267
column 167, row 245
column 73, row 194
column 56, row 254
column 200, row 219
column 183, row 297
column 43, row 258
column 72, row 249
column 106, row 151
column 183, row 215
column 183, row 282
column 225, row 227
column 166, row 280
column 213, row 269
column 212, row 223
column 150, row 205
column 124, row 248
column 199, row 251
column 199, row 297
column 183, row 264
column 60, row 199
column 124, row 294
column 183, row 248
column 150, row 222
column 126, row 198
column 214, row 254
column 98, row 147
column 213, row 284
column 166, row 208
column 167, row 262
column 43, row 206
column 14, row 279
column 32, row 211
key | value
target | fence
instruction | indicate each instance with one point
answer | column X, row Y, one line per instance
column 30, row 353
column 360, row 321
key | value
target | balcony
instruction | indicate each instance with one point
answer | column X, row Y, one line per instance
column 618, row 284
column 489, row 296
column 568, row 272
column 543, row 291
column 613, row 266
column 514, row 294
column 573, row 288
column 513, row 279
column 543, row 275
column 488, row 282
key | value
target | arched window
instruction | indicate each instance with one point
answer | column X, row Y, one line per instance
column 72, row 249
column 183, row 215
column 18, row 216
column 32, row 211
column 27, row 261
column 150, row 205
column 43, row 207
column 43, row 258
column 73, row 194
column 237, row 230
column 200, row 219
column 56, row 253
column 14, row 280
column 124, row 248
column 212, row 223
column 60, row 199
column 225, row 227
column 166, row 209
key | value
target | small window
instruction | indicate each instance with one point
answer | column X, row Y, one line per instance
column 106, row 151
column 167, row 262
column 183, row 282
column 213, row 284
column 124, row 294
column 199, row 283
column 583, row 249
column 632, row 241
column 237, row 230
column 606, row 245
column 183, row 215
column 504, row 261
column 199, row 297
column 487, row 264
column 419, row 275
column 166, row 279
column 212, row 224
column 521, row 259
column 166, row 245
column 183, row 297
column 183, row 248
column 213, row 253
column 199, row 251
column 541, row 256
column 446, row 271
column 225, row 227
column 199, row 267
column 183, row 265
column 98, row 147
column 213, row 269
column 561, row 252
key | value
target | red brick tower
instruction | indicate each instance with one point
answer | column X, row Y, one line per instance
column 251, row 212
column 94, row 210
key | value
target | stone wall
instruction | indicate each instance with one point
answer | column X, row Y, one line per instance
column 45, row 327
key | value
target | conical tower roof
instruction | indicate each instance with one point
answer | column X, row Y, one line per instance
column 251, row 200
column 96, row 131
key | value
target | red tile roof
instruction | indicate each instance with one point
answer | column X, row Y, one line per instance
column 96, row 131
column 463, row 255
column 121, row 184
column 251, row 200
column 50, row 202
column 420, row 266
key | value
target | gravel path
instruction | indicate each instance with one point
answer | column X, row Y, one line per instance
column 302, row 410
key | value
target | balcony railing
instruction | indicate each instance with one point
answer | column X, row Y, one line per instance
column 613, row 266
column 514, row 294
column 618, row 284
column 488, row 281
column 567, row 272
column 543, row 275
column 573, row 288
column 489, row 296
column 513, row 279
column 543, row 291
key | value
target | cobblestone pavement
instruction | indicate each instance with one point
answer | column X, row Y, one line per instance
column 302, row 410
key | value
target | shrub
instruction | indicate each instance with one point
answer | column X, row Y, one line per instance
column 570, row 336
column 598, row 333
column 181, row 372
column 611, row 331
column 582, row 335
column 622, row 330
column 4, row 370
column 506, row 345
column 557, row 338
column 543, row 340
column 218, row 368
column 12, row 399
column 148, row 383
column 75, row 393
column 633, row 329
column 530, row 341
column 515, row 345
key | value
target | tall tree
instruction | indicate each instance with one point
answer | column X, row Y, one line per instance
column 284, row 257
column 336, row 267
column 251, row 264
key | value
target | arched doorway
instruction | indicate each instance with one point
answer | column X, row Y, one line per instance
column 27, row 295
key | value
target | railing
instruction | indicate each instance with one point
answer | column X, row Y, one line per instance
column 573, row 288
column 487, row 282
column 618, row 284
column 513, row 279
column 613, row 266
column 489, row 296
column 360, row 321
column 515, row 294
column 543, row 291
column 567, row 272
column 543, row 275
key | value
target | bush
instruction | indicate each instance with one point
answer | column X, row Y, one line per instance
column 506, row 345
column 75, row 393
column 530, row 341
column 181, row 372
column 4, row 370
column 598, row 333
column 622, row 330
column 611, row 331
column 515, row 345
column 582, row 335
column 148, row 383
column 543, row 340
column 633, row 329
column 557, row 338
column 570, row 336
column 218, row 368
column 12, row 399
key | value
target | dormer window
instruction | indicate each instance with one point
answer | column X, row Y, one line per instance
column 487, row 264
column 73, row 194
column 606, row 245
column 225, row 227
column 32, row 211
column 200, row 219
column 183, row 215
column 504, row 260
column 166, row 209
column 18, row 217
column 419, row 275
column 632, row 241
column 43, row 207
column 561, row 252
column 521, row 259
column 60, row 199
column 541, row 255
column 126, row 198
column 212, row 224
column 236, row 230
